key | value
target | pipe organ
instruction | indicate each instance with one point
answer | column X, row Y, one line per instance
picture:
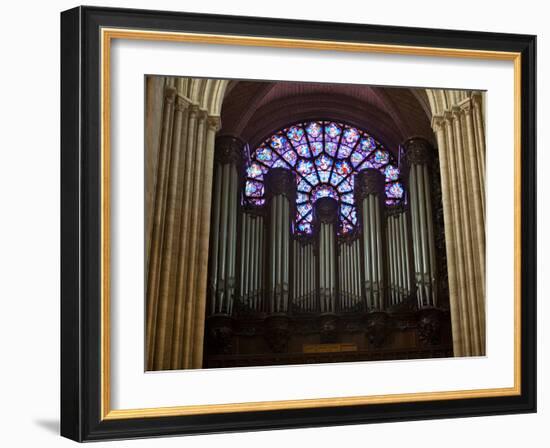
column 399, row 277
column 369, row 193
column 418, row 157
column 304, row 289
column 350, row 275
column 259, row 266
column 224, row 226
column 252, row 262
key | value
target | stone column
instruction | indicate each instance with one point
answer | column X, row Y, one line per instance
column 281, row 191
column 419, row 157
column 176, row 271
column 369, row 194
column 461, row 140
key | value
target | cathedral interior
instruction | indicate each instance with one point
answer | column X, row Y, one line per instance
column 296, row 223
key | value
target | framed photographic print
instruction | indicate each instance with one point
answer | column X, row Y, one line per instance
column 277, row 224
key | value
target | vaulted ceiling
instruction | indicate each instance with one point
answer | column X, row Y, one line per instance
column 252, row 110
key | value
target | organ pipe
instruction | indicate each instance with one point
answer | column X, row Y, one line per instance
column 224, row 227
column 369, row 191
column 418, row 155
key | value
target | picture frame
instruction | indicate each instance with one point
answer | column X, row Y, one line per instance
column 86, row 37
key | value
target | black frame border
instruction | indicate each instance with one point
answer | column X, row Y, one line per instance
column 81, row 223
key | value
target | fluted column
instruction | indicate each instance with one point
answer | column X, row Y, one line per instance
column 461, row 141
column 176, row 270
column 369, row 192
column 281, row 190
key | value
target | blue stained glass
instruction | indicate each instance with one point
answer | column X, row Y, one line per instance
column 314, row 129
column 394, row 190
column 358, row 156
column 279, row 163
column 301, row 197
column 332, row 130
column 344, row 151
column 348, row 198
column 391, row 172
column 290, row 157
column 304, row 209
column 304, row 187
column 254, row 188
column 367, row 165
column 303, row 150
column 346, row 210
column 367, row 144
column 263, row 154
column 305, row 167
column 256, row 171
column 324, row 175
column 304, row 227
column 324, row 162
column 316, row 148
column 343, row 168
column 278, row 142
column 335, row 179
column 346, row 186
column 353, row 216
column 295, row 133
column 312, row 179
column 351, row 135
column 256, row 201
column 346, row 227
column 324, row 191
column 381, row 157
column 330, row 148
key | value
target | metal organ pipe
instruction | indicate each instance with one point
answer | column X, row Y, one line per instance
column 215, row 228
column 418, row 153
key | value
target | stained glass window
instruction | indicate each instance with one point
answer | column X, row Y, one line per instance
column 325, row 155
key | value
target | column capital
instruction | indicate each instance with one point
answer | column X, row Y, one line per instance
column 466, row 105
column 182, row 103
column 214, row 123
column 367, row 182
column 228, row 149
column 438, row 122
column 170, row 94
column 418, row 151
